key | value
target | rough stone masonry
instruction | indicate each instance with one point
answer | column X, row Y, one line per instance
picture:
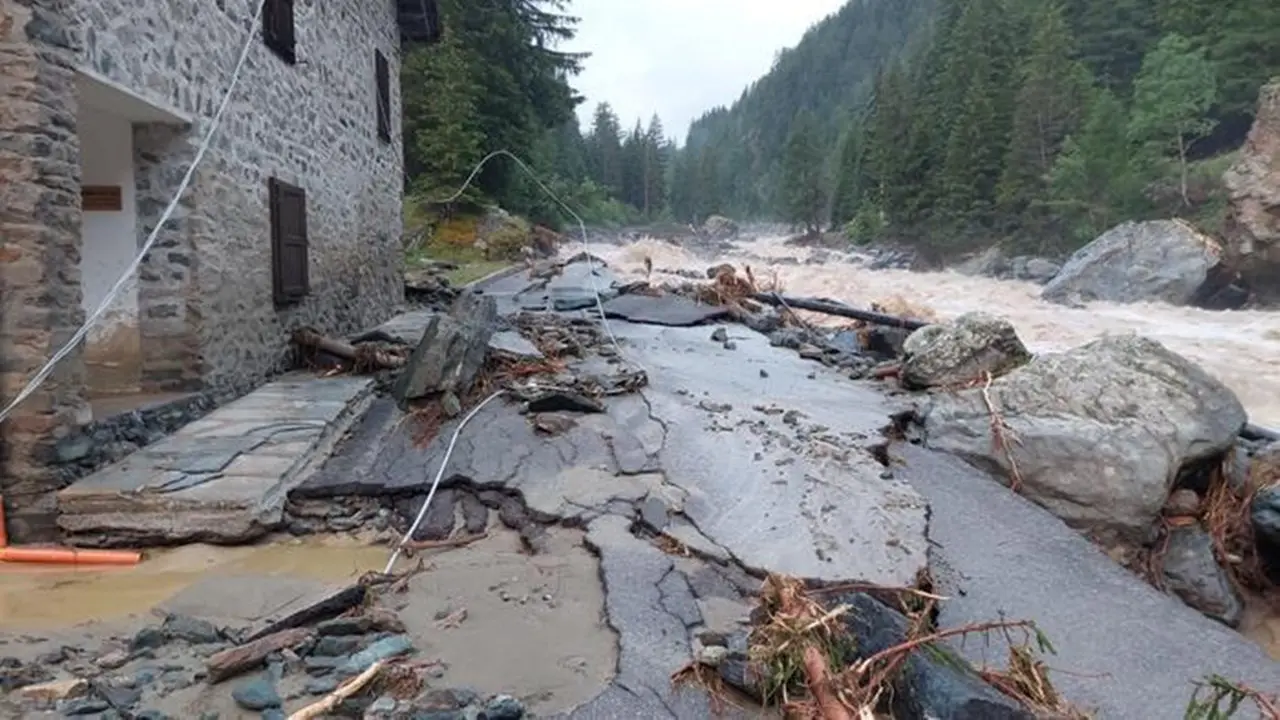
column 206, row 316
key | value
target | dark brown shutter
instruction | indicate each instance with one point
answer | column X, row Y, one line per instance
column 278, row 29
column 382, row 78
column 291, row 279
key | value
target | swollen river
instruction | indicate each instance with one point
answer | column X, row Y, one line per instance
column 1240, row 348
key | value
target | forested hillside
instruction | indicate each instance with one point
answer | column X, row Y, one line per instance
column 956, row 122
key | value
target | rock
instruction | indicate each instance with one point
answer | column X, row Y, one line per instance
column 1157, row 261
column 961, row 352
column 148, row 638
column 452, row 350
column 1265, row 515
column 384, row 649
column 1102, row 430
column 85, row 706
column 931, row 684
column 14, row 674
column 189, row 629
column 1182, row 503
column 720, row 335
column 1252, row 227
column 1038, row 270
column 113, row 660
column 445, row 699
column 321, row 685
column 579, row 280
column 720, row 228
column 54, row 690
column 334, row 645
column 502, row 235
column 258, row 694
column 511, row 344
column 1192, row 573
column 503, row 707
column 711, row 655
column 988, row 263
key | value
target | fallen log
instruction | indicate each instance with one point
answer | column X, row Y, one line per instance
column 1259, row 433
column 828, row 307
column 241, row 658
column 328, row 703
column 312, row 340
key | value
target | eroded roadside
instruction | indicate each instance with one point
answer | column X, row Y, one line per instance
column 609, row 532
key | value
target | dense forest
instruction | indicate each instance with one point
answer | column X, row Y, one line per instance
column 946, row 123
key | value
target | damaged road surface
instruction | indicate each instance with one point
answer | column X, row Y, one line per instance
column 740, row 459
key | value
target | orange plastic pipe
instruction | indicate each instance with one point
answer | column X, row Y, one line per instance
column 69, row 556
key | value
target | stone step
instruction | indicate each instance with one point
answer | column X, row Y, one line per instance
column 223, row 478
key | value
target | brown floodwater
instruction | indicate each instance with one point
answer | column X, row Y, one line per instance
column 1240, row 348
column 46, row 597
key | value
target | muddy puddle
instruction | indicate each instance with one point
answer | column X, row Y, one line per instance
column 44, row 597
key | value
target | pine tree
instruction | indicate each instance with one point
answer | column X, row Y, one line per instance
column 605, row 149
column 443, row 142
column 802, row 179
column 1093, row 184
column 1048, row 108
column 1172, row 96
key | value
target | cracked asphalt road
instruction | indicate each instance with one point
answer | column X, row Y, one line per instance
column 758, row 460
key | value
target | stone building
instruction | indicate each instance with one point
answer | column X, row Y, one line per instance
column 292, row 218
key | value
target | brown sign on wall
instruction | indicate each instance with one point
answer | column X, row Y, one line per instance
column 101, row 198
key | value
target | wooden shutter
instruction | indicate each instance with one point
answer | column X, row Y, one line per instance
column 382, row 79
column 278, row 29
column 291, row 280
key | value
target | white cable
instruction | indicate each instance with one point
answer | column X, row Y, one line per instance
column 604, row 320
column 444, row 463
column 80, row 334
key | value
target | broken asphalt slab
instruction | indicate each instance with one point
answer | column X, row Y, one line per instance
column 1124, row 649
column 672, row 310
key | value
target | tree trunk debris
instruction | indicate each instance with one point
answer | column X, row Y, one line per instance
column 312, row 340
column 828, row 307
column 233, row 661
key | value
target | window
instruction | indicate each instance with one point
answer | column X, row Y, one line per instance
column 382, row 79
column 277, row 29
column 290, row 279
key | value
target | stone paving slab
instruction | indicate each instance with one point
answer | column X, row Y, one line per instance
column 223, row 478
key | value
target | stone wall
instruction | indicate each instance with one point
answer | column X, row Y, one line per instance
column 39, row 252
column 205, row 291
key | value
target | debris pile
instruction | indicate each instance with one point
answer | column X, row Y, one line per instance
column 872, row 652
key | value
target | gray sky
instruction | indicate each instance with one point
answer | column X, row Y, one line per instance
column 679, row 58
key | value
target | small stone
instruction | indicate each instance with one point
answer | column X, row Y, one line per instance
column 273, row 714
column 719, row 335
column 764, row 373
column 382, row 650
column 85, row 706
column 712, row 655
column 55, row 690
column 446, row 699
column 1182, row 503
column 148, row 637
column 730, row 345
column 450, row 404
column 152, row 715
column 343, row 626
column 192, row 630
column 503, row 707
column 382, row 706
column 322, row 685
column 53, row 658
column 332, row 645
column 257, row 694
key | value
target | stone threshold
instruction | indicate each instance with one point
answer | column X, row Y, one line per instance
column 221, row 479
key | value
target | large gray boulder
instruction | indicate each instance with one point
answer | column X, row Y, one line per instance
column 961, row 352
column 1158, row 261
column 1098, row 433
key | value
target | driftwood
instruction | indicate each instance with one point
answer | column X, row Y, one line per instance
column 310, row 339
column 340, row 695
column 828, row 307
column 233, row 661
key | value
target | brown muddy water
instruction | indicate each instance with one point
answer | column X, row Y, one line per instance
column 1241, row 348
column 34, row 598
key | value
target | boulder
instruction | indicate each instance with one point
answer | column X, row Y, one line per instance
column 1034, row 269
column 1252, row 226
column 1264, row 474
column 503, row 236
column 961, row 352
column 1099, row 433
column 720, row 228
column 452, row 350
column 1193, row 574
column 1157, row 261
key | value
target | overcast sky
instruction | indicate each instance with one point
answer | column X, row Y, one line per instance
column 679, row 58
